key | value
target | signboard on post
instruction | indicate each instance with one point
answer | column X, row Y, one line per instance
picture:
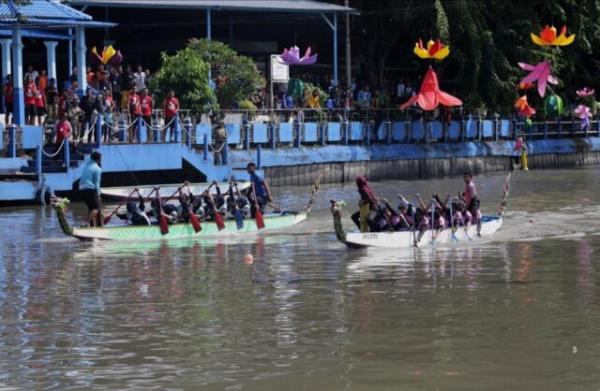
column 280, row 73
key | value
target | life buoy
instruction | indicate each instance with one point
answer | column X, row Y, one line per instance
column 43, row 195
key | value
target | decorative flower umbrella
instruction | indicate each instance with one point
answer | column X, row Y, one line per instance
column 584, row 113
column 540, row 74
column 585, row 92
column 525, row 110
column 430, row 96
column 435, row 50
column 548, row 37
column 292, row 56
column 108, row 56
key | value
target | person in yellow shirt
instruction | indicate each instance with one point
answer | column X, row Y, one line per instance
column 314, row 100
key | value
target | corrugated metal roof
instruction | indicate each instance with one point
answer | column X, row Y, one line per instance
column 53, row 23
column 305, row 6
column 43, row 9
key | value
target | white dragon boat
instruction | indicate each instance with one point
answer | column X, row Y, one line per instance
column 415, row 238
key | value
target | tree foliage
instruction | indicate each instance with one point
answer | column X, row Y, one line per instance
column 236, row 76
column 187, row 74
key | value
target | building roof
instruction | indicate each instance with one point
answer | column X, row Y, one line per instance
column 303, row 6
column 45, row 13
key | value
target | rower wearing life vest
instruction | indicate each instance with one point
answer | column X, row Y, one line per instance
column 259, row 191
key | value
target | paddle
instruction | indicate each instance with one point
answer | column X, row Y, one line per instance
column 258, row 216
column 239, row 219
column 193, row 218
column 218, row 218
column 107, row 218
column 163, row 222
column 453, row 230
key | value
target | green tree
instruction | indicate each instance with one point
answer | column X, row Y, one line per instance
column 187, row 74
column 235, row 76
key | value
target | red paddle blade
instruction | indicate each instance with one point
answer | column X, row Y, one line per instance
column 260, row 221
column 106, row 219
column 219, row 221
column 195, row 223
column 164, row 225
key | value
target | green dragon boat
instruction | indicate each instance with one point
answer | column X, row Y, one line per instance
column 273, row 221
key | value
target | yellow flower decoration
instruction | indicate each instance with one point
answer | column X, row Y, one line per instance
column 548, row 37
column 435, row 50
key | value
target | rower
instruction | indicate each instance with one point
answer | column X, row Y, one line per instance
column 168, row 210
column 261, row 192
column 240, row 200
column 135, row 214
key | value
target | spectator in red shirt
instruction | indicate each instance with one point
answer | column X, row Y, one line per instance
column 8, row 98
column 135, row 111
column 147, row 105
column 43, row 80
column 40, row 101
column 63, row 132
column 30, row 106
column 170, row 108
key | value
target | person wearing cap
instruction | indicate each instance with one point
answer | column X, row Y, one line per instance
column 89, row 188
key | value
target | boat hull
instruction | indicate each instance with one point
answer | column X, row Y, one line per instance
column 406, row 239
column 186, row 231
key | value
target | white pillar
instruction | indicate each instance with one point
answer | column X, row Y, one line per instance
column 5, row 42
column 80, row 50
column 51, row 57
column 17, row 74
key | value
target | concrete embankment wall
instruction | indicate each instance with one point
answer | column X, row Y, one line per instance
column 416, row 161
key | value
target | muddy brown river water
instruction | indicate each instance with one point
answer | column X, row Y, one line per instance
column 519, row 311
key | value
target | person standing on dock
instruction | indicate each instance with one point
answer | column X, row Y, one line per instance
column 261, row 191
column 89, row 188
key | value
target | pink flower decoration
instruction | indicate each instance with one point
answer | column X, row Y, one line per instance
column 540, row 74
column 292, row 56
column 585, row 91
column 582, row 111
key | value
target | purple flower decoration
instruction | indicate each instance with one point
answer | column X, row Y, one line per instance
column 583, row 112
column 292, row 56
column 585, row 91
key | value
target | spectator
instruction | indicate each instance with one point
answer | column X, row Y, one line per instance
column 90, row 77
column 147, row 105
column 314, row 100
column 170, row 109
column 40, row 102
column 102, row 80
column 106, row 105
column 140, row 79
column 8, row 91
column 52, row 101
column 115, row 84
column 30, row 106
column 219, row 137
column 135, row 111
column 32, row 73
column 75, row 115
column 63, row 130
column 364, row 97
column 43, row 80
column 89, row 106
column 127, row 79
